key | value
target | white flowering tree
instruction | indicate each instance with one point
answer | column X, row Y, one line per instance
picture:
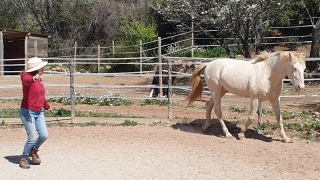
column 245, row 21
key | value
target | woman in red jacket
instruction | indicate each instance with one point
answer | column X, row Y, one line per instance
column 32, row 110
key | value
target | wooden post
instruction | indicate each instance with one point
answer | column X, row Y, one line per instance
column 160, row 66
column 35, row 46
column 192, row 37
column 170, row 89
column 99, row 58
column 72, row 70
column 26, row 51
column 113, row 48
column 140, row 57
column 1, row 54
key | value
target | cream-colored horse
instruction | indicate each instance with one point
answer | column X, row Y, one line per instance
column 259, row 79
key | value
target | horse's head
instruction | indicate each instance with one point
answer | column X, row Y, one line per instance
column 295, row 69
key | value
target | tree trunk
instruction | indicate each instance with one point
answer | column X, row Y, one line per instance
column 246, row 48
column 315, row 45
column 225, row 45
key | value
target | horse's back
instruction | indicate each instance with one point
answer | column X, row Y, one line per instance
column 232, row 75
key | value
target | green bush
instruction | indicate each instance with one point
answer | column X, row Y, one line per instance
column 211, row 52
column 129, row 123
column 160, row 102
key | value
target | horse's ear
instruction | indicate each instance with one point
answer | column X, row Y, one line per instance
column 290, row 56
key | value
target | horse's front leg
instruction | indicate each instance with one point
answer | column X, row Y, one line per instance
column 253, row 106
column 209, row 106
column 276, row 109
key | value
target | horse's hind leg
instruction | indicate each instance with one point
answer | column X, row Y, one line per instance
column 209, row 106
column 217, row 110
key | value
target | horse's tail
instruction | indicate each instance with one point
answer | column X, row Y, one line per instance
column 196, row 84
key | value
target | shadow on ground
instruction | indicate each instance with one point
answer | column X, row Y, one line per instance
column 15, row 159
column 216, row 130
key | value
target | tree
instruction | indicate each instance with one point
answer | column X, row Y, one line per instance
column 245, row 21
column 8, row 19
column 315, row 45
column 312, row 7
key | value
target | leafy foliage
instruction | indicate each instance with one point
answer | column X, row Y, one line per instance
column 133, row 32
column 129, row 123
column 104, row 100
column 245, row 21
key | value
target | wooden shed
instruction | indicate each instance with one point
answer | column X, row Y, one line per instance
column 16, row 47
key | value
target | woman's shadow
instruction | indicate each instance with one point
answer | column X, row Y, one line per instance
column 215, row 129
column 15, row 159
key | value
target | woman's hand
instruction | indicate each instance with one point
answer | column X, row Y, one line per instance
column 37, row 77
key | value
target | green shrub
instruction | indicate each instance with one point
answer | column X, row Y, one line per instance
column 237, row 108
column 160, row 102
column 210, row 52
column 129, row 123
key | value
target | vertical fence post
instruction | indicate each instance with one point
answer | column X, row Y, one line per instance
column 72, row 69
column 160, row 66
column 140, row 57
column 170, row 89
column 99, row 58
column 192, row 37
column 113, row 48
column 35, row 46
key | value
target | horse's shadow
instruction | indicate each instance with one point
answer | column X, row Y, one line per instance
column 15, row 159
column 216, row 130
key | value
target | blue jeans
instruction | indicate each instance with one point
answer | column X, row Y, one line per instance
column 33, row 122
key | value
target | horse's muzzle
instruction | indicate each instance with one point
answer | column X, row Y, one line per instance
column 299, row 88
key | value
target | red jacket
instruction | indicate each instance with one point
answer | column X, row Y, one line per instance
column 33, row 93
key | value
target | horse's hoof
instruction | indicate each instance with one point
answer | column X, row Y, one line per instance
column 204, row 129
column 241, row 136
column 228, row 135
column 287, row 140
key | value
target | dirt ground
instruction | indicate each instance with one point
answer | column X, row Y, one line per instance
column 167, row 150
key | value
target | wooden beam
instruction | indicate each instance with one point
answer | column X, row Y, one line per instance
column 1, row 54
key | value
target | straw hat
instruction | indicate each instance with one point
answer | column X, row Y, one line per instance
column 35, row 63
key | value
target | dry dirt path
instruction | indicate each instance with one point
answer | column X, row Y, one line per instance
column 157, row 152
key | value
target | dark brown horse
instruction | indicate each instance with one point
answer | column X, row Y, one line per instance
column 165, row 79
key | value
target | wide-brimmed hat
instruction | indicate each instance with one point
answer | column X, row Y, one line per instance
column 35, row 63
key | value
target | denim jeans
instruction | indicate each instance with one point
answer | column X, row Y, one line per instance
column 33, row 122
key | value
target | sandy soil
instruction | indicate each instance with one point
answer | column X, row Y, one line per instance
column 164, row 151
column 158, row 152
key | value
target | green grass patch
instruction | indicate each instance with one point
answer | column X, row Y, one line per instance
column 305, row 125
column 129, row 123
column 113, row 99
column 10, row 113
column 267, row 112
column 237, row 108
column 159, row 102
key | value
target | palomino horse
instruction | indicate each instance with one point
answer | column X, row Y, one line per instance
column 259, row 79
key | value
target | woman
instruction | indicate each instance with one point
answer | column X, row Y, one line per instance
column 32, row 110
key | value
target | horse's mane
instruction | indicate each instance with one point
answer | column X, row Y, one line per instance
column 283, row 55
column 263, row 56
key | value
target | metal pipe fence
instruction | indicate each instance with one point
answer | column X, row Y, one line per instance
column 74, row 90
column 102, row 57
